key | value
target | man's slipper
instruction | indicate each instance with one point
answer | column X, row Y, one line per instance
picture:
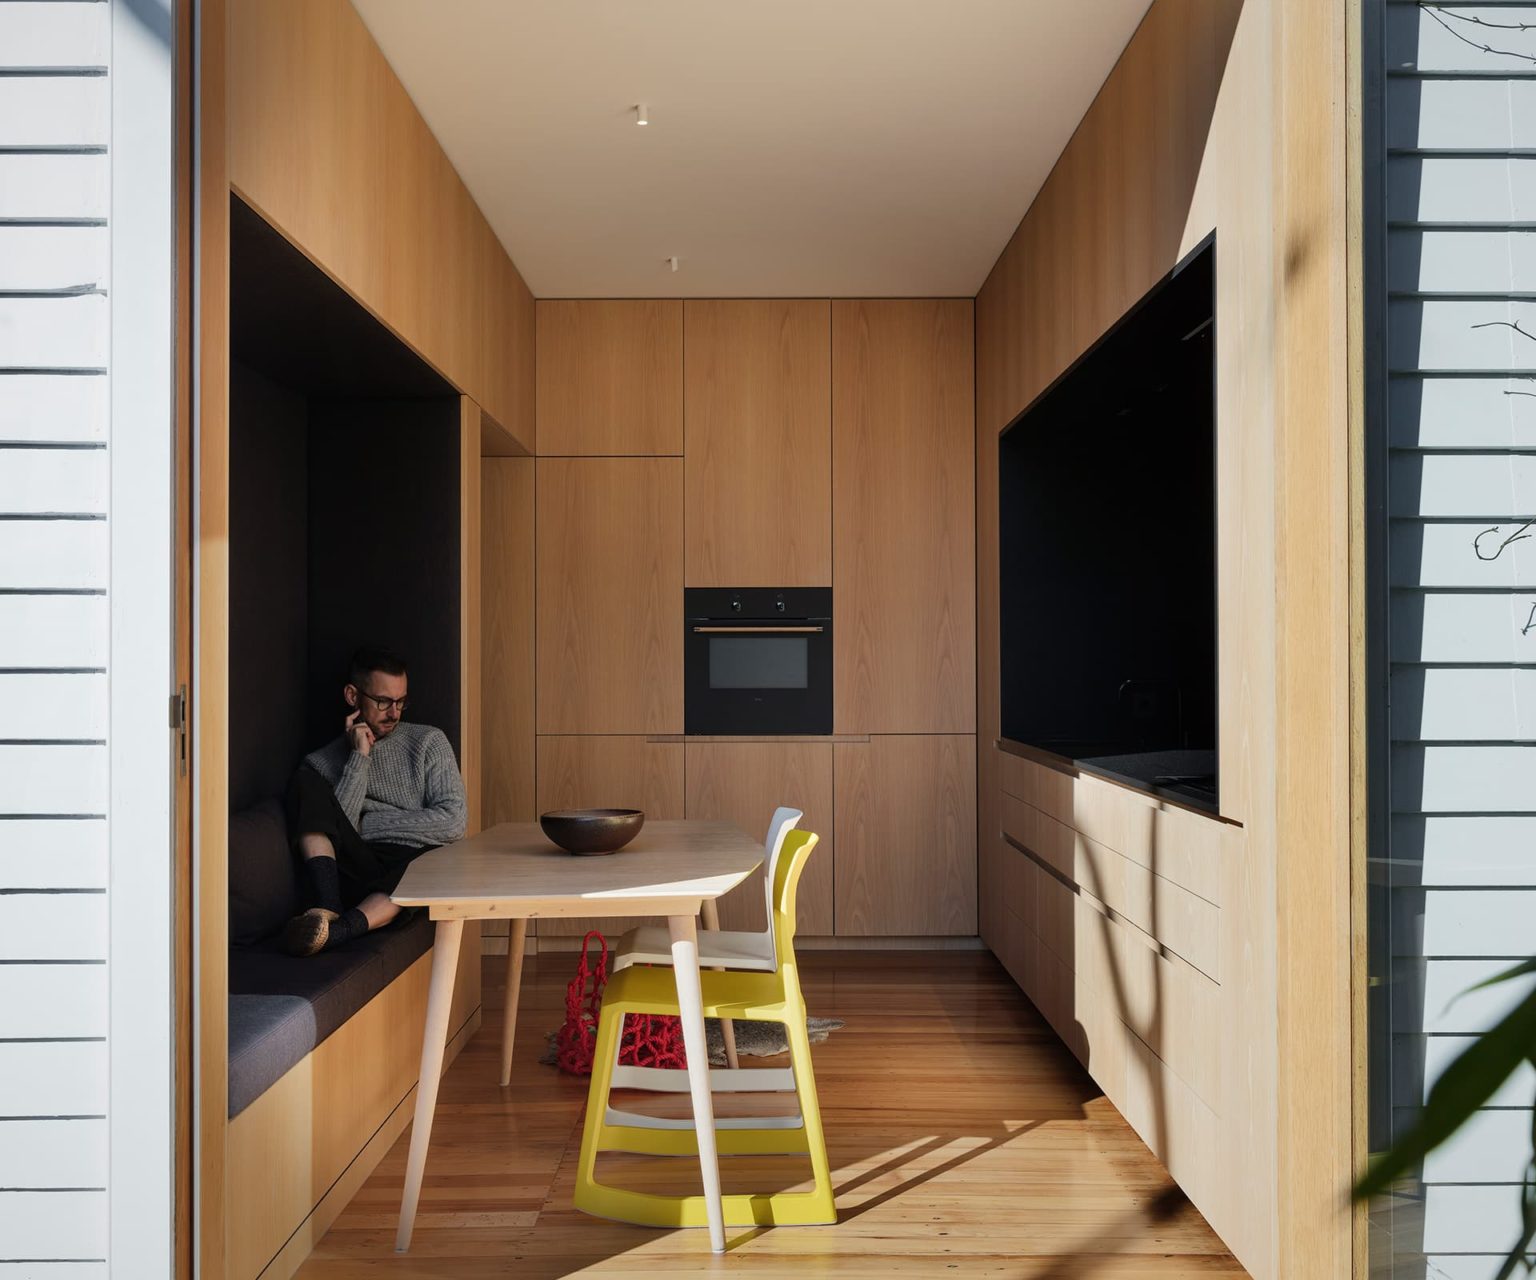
column 307, row 934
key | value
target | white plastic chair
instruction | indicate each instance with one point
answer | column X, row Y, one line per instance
column 720, row 948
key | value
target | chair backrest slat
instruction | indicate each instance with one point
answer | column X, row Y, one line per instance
column 779, row 826
column 791, row 862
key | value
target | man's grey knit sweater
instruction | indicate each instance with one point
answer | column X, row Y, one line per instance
column 406, row 790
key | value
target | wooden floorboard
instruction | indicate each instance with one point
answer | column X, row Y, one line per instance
column 964, row 1140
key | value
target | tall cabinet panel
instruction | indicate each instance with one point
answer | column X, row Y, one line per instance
column 507, row 611
column 904, row 549
column 757, row 412
column 744, row 782
column 906, row 835
column 610, row 377
column 610, row 595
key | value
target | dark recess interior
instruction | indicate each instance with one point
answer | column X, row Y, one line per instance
column 344, row 510
column 1107, row 540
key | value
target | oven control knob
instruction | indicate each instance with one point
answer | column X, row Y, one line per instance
column 736, row 605
column 780, row 606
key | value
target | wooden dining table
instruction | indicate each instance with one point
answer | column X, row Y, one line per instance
column 512, row 872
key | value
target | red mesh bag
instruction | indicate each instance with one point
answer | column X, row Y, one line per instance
column 648, row 1039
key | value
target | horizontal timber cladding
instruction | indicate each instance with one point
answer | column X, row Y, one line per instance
column 1453, row 229
column 55, row 195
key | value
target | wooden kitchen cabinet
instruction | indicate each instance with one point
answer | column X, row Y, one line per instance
column 757, row 395
column 610, row 377
column 602, row 772
column 906, row 836
column 903, row 526
column 506, row 655
column 744, row 782
column 325, row 142
column 610, row 595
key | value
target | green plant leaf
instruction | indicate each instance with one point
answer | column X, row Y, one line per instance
column 1521, row 970
column 1517, row 1255
column 1524, row 969
column 1464, row 1087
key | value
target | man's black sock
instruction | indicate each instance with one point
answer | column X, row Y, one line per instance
column 324, row 882
column 350, row 924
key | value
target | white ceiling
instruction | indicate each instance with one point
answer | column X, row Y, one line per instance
column 855, row 148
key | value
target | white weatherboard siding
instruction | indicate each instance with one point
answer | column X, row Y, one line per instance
column 55, row 1079
column 53, row 407
column 86, row 237
column 56, row 1153
column 55, row 640
column 39, row 257
column 40, row 631
column 37, row 185
column 1457, row 234
column 52, row 1002
column 141, row 799
column 1457, row 850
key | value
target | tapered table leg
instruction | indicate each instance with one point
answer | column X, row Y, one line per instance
column 445, row 963
column 685, row 969
column 711, row 913
column 514, row 989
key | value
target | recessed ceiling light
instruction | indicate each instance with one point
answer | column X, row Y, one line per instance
column 641, row 117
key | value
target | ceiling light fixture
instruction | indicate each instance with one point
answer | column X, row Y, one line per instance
column 641, row 116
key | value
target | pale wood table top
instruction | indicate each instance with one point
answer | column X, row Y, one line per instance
column 512, row 870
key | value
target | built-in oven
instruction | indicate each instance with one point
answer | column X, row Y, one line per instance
column 757, row 660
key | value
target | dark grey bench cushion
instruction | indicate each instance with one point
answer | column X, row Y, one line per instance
column 281, row 1007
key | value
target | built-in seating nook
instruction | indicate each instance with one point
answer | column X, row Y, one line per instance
column 346, row 514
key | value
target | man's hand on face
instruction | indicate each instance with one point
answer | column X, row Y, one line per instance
column 360, row 735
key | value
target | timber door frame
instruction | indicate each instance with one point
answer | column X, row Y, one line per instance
column 208, row 751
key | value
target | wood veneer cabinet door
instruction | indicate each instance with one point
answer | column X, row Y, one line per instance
column 757, row 396
column 600, row 772
column 471, row 585
column 610, row 377
column 507, row 612
column 325, row 143
column 610, row 595
column 903, row 524
column 590, row 771
column 744, row 782
column 906, row 835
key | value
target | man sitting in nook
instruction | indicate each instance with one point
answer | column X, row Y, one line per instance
column 362, row 807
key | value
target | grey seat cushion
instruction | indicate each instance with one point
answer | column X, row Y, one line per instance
column 281, row 1008
column 263, row 873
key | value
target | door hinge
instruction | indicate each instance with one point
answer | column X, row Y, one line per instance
column 179, row 724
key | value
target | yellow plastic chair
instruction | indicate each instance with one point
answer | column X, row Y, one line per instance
column 743, row 997
column 718, row 949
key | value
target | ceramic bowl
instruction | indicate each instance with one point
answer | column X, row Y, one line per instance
column 589, row 831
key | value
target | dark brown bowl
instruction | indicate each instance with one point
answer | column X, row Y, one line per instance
column 592, row 830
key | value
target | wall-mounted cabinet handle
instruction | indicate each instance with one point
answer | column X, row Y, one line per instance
column 727, row 631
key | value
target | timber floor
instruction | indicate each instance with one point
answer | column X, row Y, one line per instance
column 964, row 1140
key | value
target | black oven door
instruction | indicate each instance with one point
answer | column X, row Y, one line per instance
column 757, row 670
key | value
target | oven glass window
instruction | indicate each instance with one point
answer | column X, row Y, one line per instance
column 759, row 662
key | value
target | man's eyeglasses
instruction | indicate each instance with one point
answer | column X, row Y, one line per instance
column 384, row 704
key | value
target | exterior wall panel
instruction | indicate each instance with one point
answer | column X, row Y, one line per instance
column 58, row 187
column 86, row 339
column 1454, row 874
